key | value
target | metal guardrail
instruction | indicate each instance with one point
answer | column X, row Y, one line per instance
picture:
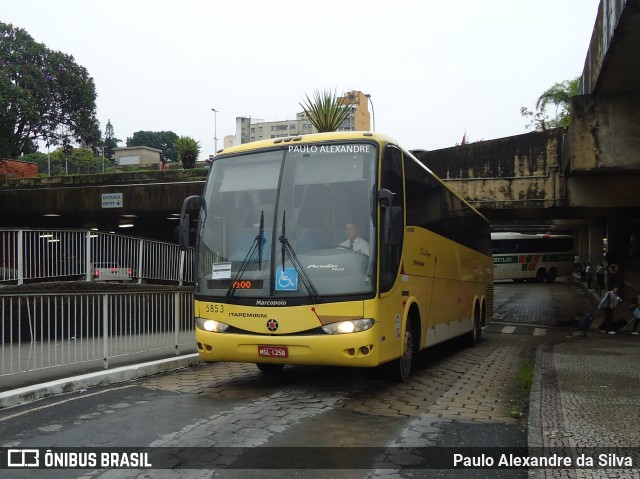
column 42, row 331
column 27, row 254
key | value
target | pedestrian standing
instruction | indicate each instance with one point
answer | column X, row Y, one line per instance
column 636, row 314
column 599, row 278
column 588, row 275
column 609, row 301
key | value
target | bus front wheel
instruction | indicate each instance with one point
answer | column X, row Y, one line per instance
column 399, row 369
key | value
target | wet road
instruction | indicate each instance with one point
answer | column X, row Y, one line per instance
column 457, row 397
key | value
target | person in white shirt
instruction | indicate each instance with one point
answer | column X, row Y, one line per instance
column 353, row 241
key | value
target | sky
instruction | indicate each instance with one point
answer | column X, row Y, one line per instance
column 434, row 69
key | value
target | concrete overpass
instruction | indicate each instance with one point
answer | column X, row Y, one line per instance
column 584, row 179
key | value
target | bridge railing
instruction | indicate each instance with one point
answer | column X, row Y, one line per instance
column 30, row 254
column 41, row 331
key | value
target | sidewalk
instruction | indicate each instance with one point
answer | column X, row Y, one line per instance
column 585, row 399
column 21, row 395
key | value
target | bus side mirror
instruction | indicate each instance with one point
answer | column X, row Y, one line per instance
column 185, row 220
column 393, row 223
column 183, row 232
column 385, row 198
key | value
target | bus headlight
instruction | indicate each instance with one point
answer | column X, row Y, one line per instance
column 211, row 325
column 353, row 326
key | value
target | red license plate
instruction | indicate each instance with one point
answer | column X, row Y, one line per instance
column 273, row 351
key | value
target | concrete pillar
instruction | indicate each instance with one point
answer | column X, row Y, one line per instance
column 617, row 248
column 581, row 242
column 596, row 244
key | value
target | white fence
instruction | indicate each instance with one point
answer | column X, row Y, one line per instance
column 41, row 331
column 27, row 254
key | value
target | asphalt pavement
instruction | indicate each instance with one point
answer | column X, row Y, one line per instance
column 584, row 402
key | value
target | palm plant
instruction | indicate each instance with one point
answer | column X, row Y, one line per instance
column 188, row 150
column 560, row 95
column 325, row 111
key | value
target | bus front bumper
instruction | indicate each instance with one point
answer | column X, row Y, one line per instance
column 353, row 350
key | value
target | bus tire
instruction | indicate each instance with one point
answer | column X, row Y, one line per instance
column 474, row 336
column 269, row 368
column 541, row 275
column 552, row 274
column 400, row 368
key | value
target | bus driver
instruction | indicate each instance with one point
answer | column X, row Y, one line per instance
column 353, row 241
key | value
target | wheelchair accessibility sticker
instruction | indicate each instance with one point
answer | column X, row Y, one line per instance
column 286, row 280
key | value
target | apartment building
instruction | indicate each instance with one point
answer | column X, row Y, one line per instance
column 252, row 129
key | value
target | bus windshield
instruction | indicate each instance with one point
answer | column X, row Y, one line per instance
column 291, row 222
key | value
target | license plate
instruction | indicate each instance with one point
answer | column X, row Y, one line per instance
column 273, row 351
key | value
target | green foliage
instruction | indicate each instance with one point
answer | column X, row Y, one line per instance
column 325, row 112
column 525, row 375
column 188, row 151
column 162, row 140
column 78, row 160
column 560, row 95
column 44, row 95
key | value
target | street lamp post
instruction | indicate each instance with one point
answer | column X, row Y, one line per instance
column 102, row 152
column 373, row 112
column 215, row 130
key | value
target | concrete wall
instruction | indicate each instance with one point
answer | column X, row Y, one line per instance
column 514, row 172
column 604, row 137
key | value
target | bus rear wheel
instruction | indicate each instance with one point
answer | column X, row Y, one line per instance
column 269, row 368
column 475, row 335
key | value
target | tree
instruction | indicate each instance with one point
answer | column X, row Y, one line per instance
column 560, row 95
column 110, row 142
column 162, row 140
column 325, row 111
column 188, row 151
column 44, row 96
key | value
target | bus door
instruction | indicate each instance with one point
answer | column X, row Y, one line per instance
column 391, row 231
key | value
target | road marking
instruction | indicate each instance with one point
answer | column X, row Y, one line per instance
column 508, row 329
column 65, row 401
column 539, row 332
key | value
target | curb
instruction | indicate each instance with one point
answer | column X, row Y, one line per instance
column 28, row 394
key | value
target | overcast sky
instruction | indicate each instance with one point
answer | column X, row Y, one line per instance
column 434, row 69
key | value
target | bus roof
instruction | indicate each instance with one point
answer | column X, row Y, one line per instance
column 310, row 138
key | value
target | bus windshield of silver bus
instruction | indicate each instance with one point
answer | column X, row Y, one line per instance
column 290, row 222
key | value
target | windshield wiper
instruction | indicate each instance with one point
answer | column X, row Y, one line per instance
column 291, row 254
column 256, row 246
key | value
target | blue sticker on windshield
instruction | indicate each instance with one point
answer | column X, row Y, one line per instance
column 286, row 280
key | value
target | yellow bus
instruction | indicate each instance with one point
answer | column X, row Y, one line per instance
column 333, row 249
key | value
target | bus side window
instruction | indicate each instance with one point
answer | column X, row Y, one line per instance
column 392, row 180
